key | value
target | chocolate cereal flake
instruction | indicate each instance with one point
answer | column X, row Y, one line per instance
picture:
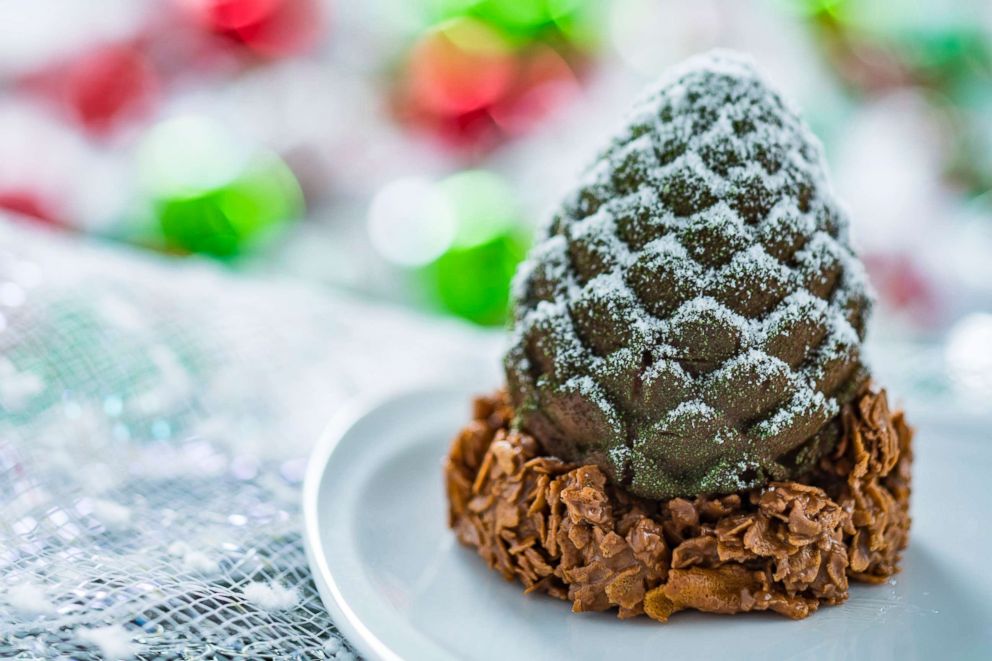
column 786, row 547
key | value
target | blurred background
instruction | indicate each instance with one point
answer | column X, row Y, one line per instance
column 405, row 149
column 220, row 220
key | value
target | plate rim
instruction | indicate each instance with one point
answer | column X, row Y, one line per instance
column 344, row 618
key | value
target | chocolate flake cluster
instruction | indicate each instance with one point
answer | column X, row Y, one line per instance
column 562, row 528
column 691, row 319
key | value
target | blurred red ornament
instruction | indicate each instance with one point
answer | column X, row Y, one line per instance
column 461, row 66
column 545, row 83
column 470, row 130
column 273, row 28
column 472, row 88
column 236, row 14
column 101, row 87
column 109, row 84
column 28, row 204
column 903, row 286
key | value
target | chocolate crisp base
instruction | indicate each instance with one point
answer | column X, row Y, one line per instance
column 788, row 547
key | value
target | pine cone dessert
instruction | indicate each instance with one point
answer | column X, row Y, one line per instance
column 687, row 422
column 690, row 320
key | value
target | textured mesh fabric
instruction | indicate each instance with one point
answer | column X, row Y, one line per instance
column 154, row 425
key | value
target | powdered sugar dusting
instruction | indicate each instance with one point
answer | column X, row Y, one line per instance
column 711, row 209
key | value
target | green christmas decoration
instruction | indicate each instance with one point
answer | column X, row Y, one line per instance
column 229, row 220
column 213, row 195
column 525, row 20
column 471, row 279
column 474, row 282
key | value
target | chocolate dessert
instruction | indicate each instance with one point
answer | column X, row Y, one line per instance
column 687, row 421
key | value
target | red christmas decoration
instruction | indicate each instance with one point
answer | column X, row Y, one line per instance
column 467, row 84
column 544, row 83
column 101, row 87
column 109, row 84
column 28, row 204
column 459, row 68
column 274, row 28
column 904, row 286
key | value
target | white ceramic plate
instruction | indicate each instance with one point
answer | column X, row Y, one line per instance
column 400, row 587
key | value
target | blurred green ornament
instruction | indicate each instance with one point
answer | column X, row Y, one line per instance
column 580, row 21
column 471, row 279
column 523, row 20
column 226, row 221
column 811, row 7
column 511, row 15
column 212, row 194
column 474, row 282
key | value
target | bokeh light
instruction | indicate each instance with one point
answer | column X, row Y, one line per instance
column 649, row 35
column 461, row 236
column 969, row 354
column 188, row 155
column 410, row 222
column 483, row 205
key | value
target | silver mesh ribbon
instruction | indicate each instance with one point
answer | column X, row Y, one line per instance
column 155, row 418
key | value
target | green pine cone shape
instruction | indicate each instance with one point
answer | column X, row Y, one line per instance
column 691, row 318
